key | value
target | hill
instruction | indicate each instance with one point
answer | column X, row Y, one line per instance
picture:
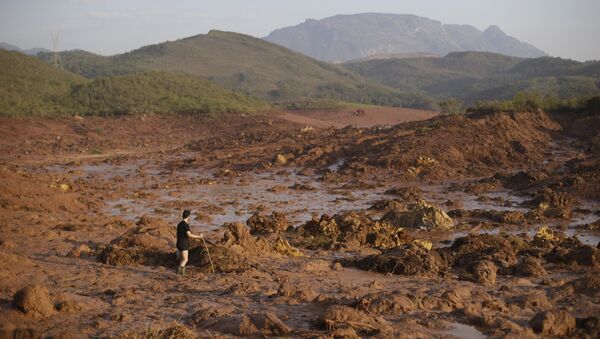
column 29, row 86
column 473, row 76
column 246, row 64
column 31, row 51
column 350, row 37
column 160, row 92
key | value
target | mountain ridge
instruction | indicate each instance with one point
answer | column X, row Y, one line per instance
column 354, row 36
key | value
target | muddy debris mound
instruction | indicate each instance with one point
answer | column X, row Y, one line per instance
column 505, row 217
column 588, row 285
column 267, row 224
column 467, row 251
column 238, row 250
column 549, row 203
column 386, row 303
column 555, row 322
column 149, row 232
column 421, row 215
column 352, row 229
column 529, row 267
column 150, row 242
column 571, row 251
column 520, row 180
column 409, row 193
column 350, row 322
column 406, row 259
column 34, row 301
column 483, row 272
column 255, row 325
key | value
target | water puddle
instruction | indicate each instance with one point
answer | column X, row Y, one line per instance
column 464, row 331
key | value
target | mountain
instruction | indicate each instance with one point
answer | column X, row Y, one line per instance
column 348, row 37
column 473, row 76
column 29, row 86
column 244, row 64
column 31, row 51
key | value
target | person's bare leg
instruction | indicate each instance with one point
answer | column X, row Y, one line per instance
column 184, row 260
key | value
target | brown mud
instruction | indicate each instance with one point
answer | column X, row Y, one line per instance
column 456, row 226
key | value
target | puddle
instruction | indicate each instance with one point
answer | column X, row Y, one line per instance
column 464, row 331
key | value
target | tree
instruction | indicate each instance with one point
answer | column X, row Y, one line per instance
column 451, row 107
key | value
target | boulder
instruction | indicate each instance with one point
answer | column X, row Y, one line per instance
column 420, row 215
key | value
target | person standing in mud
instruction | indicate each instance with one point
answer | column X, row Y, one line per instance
column 184, row 234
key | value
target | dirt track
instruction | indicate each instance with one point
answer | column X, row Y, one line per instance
column 424, row 229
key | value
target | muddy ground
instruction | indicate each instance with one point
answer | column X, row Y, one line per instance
column 456, row 226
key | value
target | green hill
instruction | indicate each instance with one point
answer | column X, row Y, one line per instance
column 473, row 76
column 160, row 92
column 246, row 64
column 29, row 86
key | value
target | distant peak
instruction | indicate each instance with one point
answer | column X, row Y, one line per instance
column 493, row 29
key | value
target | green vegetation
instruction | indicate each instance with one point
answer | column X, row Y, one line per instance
column 31, row 87
column 530, row 102
column 478, row 76
column 248, row 65
column 159, row 92
column 28, row 86
column 451, row 106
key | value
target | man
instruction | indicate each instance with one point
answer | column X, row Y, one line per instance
column 183, row 241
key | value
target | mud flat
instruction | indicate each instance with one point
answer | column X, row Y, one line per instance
column 471, row 227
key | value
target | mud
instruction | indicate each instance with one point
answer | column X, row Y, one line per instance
column 453, row 226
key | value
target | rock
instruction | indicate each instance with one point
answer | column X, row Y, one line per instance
column 354, row 229
column 343, row 317
column 386, row 303
column 419, row 215
column 557, row 322
column 588, row 285
column 529, row 267
column 280, row 159
column 407, row 259
column 426, row 244
column 82, row 250
column 266, row 224
column 484, row 272
column 34, row 301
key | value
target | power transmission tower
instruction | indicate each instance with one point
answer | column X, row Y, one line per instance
column 56, row 60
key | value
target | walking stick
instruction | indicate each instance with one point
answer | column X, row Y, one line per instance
column 212, row 267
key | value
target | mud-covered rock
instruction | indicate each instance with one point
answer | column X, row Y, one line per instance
column 588, row 285
column 354, row 229
column 266, row 224
column 551, row 204
column 34, row 301
column 343, row 317
column 467, row 251
column 386, row 303
column 420, row 215
column 529, row 267
column 483, row 272
column 572, row 251
column 407, row 259
column 556, row 322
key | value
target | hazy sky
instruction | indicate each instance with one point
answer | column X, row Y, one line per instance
column 565, row 28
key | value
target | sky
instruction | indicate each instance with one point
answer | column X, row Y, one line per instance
column 564, row 28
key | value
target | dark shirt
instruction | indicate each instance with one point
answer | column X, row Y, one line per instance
column 183, row 241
